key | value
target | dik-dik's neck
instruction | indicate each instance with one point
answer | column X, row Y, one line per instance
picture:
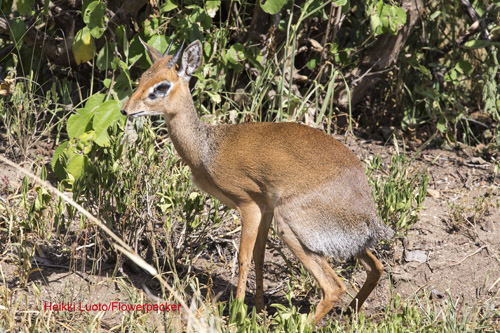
column 190, row 136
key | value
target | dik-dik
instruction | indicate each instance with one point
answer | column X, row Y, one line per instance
column 313, row 186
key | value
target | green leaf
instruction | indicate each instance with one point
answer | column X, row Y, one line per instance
column 375, row 24
column 464, row 67
column 234, row 56
column 83, row 46
column 94, row 101
column 212, row 6
column 25, row 7
column 340, row 3
column 272, row 6
column 93, row 16
column 158, row 42
column 479, row 44
column 214, row 97
column 105, row 57
column 150, row 26
column 76, row 165
column 236, row 53
column 435, row 14
column 121, row 38
column 122, row 86
column 85, row 4
column 17, row 31
column 207, row 49
column 426, row 92
column 311, row 64
column 106, row 83
column 85, row 140
column 105, row 115
column 79, row 122
column 202, row 18
column 59, row 150
column 136, row 52
column 441, row 125
column 46, row 7
column 168, row 6
column 387, row 19
column 453, row 74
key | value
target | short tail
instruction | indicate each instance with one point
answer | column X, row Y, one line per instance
column 379, row 231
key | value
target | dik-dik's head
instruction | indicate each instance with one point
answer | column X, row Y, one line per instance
column 164, row 88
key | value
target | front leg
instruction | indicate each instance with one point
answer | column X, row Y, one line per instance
column 258, row 258
column 250, row 221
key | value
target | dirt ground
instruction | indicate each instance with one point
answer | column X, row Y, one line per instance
column 454, row 247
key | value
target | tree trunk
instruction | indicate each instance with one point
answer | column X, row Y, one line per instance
column 383, row 55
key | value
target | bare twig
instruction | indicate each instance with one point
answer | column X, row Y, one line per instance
column 327, row 33
column 468, row 256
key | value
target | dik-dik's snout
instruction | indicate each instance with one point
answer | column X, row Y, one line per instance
column 133, row 109
column 124, row 110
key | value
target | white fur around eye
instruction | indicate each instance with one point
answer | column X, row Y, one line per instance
column 159, row 90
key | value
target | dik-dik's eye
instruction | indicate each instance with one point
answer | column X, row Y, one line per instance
column 159, row 90
column 162, row 88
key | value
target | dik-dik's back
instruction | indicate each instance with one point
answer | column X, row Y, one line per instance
column 313, row 187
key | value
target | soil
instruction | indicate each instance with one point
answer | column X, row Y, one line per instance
column 452, row 251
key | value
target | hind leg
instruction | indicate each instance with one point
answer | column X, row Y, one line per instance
column 374, row 270
column 331, row 285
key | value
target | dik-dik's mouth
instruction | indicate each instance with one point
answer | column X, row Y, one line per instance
column 138, row 114
column 141, row 114
column 134, row 115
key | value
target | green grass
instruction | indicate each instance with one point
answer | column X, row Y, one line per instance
column 398, row 188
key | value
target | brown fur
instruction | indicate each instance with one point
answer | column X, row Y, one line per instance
column 313, row 186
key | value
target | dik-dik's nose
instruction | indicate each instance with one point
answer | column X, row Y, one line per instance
column 123, row 112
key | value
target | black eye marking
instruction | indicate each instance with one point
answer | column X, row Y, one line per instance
column 162, row 88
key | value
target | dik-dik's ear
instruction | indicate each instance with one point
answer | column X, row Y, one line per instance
column 191, row 60
column 153, row 53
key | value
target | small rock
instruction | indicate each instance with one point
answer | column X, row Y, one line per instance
column 403, row 276
column 436, row 294
column 478, row 160
column 432, row 193
column 417, row 255
column 487, row 226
